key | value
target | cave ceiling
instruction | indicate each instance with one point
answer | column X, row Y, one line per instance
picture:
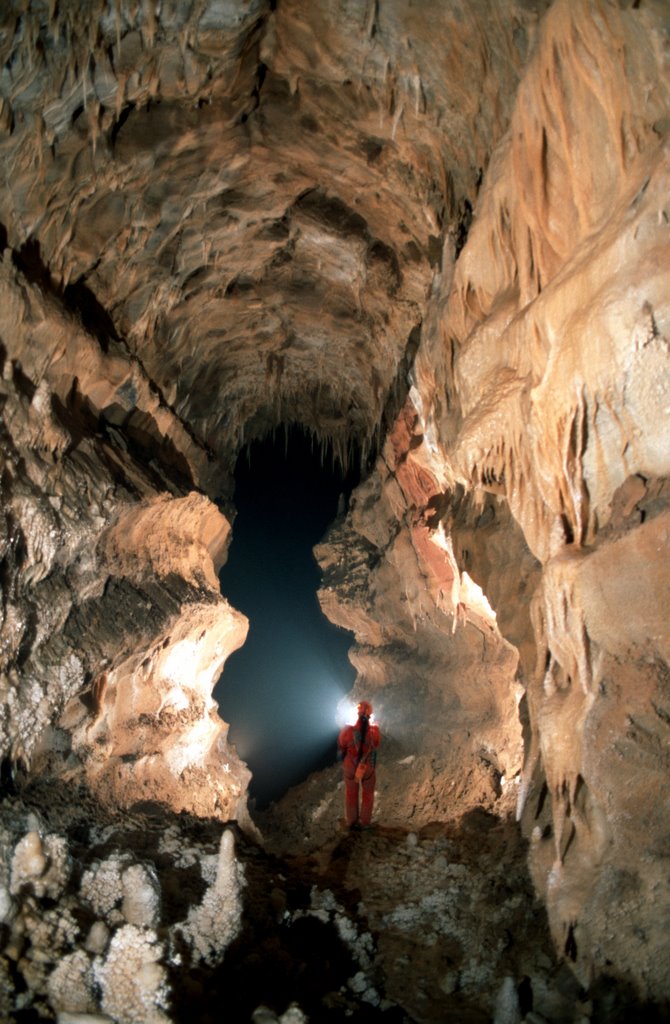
column 253, row 199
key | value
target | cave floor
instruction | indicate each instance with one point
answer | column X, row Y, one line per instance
column 392, row 924
column 407, row 925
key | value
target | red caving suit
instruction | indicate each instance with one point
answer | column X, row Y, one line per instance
column 348, row 743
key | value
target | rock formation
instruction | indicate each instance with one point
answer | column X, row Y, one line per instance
column 435, row 237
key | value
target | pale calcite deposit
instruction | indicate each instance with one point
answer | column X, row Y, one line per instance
column 215, row 922
column 111, row 939
column 133, row 982
column 70, row 985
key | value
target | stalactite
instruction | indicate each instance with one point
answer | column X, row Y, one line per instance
column 29, row 38
column 53, row 19
column 150, row 26
column 84, row 83
column 574, row 445
column 396, row 119
column 118, row 20
column 371, row 18
column 122, row 81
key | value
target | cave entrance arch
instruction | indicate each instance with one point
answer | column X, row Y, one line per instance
column 280, row 691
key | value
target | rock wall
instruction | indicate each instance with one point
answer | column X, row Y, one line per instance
column 539, row 460
column 113, row 630
column 582, row 458
column 429, row 653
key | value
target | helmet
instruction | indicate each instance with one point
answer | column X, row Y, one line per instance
column 364, row 708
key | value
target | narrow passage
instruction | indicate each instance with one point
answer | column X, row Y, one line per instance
column 280, row 691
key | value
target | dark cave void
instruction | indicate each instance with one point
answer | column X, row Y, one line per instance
column 280, row 691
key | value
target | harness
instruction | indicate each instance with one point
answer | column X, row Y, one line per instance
column 363, row 751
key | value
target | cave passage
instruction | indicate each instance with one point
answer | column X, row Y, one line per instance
column 280, row 691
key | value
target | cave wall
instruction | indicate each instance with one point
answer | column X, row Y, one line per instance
column 540, row 393
column 114, row 630
column 585, row 477
column 429, row 653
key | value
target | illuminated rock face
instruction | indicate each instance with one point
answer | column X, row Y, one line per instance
column 544, row 382
column 440, row 236
column 423, row 627
column 114, row 631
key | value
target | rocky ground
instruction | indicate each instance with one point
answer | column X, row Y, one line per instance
column 156, row 917
column 442, row 919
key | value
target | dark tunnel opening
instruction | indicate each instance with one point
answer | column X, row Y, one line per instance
column 280, row 691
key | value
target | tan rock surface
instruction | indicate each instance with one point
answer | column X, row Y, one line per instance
column 113, row 629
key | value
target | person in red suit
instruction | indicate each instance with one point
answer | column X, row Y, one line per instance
column 357, row 749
